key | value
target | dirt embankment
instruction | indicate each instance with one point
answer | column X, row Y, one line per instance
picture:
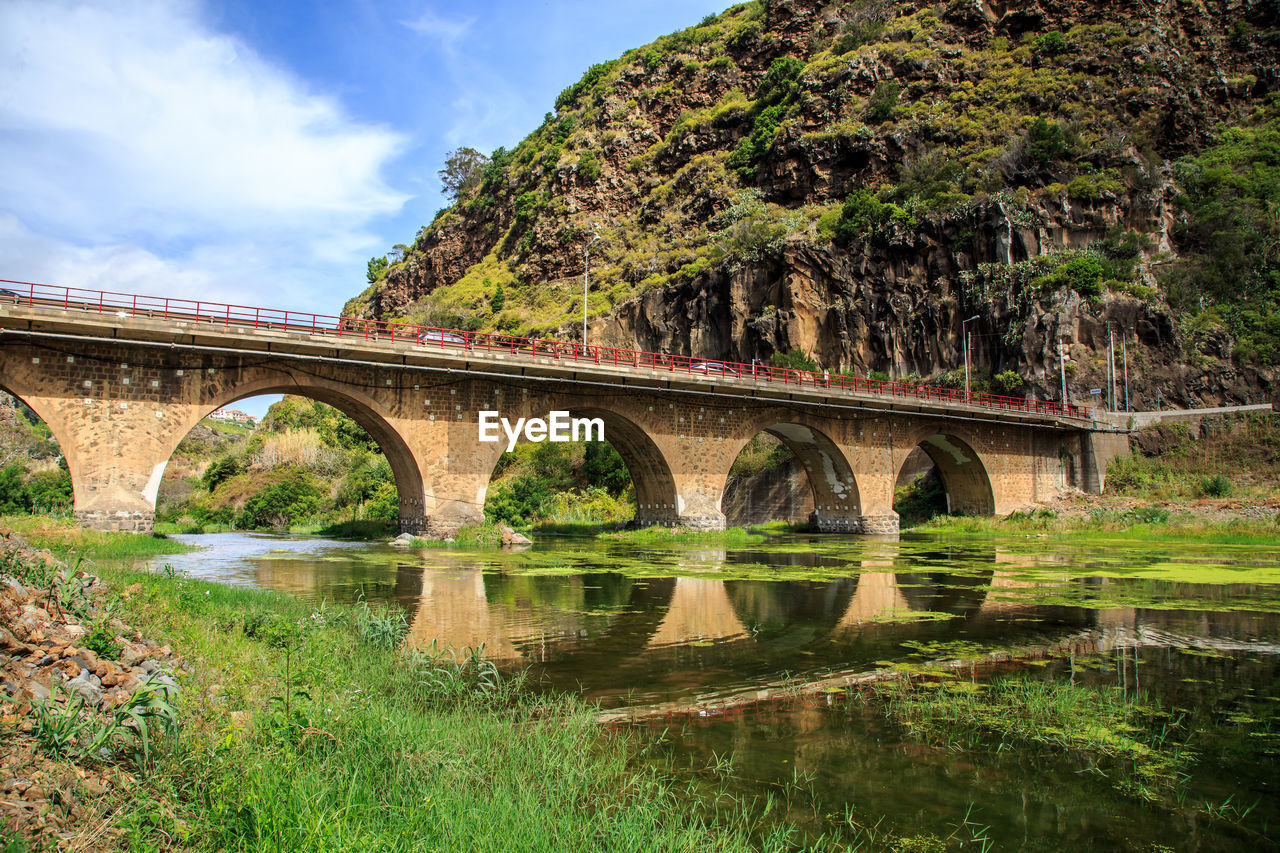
column 85, row 698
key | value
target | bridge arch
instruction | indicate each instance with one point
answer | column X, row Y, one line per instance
column 352, row 402
column 657, row 497
column 58, row 428
column 836, row 500
column 790, row 614
column 961, row 469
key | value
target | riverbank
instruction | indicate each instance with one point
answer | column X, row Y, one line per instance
column 1241, row 520
column 69, row 541
column 274, row 745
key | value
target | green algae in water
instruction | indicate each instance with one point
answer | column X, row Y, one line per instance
column 1134, row 744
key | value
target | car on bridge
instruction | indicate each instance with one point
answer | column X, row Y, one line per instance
column 440, row 336
column 714, row 368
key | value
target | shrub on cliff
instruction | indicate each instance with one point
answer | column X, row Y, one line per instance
column 883, row 101
column 1230, row 231
column 1046, row 142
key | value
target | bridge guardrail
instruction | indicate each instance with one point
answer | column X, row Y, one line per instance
column 461, row 340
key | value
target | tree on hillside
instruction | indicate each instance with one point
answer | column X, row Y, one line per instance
column 462, row 171
column 377, row 268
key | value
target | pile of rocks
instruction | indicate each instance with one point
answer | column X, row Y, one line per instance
column 510, row 537
column 48, row 615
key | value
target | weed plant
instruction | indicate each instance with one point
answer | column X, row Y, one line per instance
column 380, row 629
column 1125, row 738
column 64, row 727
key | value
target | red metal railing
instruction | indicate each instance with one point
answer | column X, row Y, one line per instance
column 271, row 319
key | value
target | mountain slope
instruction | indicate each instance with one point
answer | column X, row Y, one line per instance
column 851, row 180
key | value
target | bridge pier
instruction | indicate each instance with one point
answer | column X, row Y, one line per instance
column 828, row 522
column 880, row 524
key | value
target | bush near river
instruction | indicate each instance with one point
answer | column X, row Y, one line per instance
column 33, row 474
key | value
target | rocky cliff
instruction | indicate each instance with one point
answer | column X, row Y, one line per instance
column 846, row 182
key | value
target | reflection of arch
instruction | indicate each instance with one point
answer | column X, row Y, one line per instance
column 943, row 592
column 454, row 613
column 699, row 610
column 790, row 613
column 878, row 597
column 629, row 632
column 353, row 404
column 836, row 500
column 962, row 471
column 656, row 501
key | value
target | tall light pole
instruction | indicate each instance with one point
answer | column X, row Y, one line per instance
column 1111, row 368
column 964, row 328
column 586, row 272
column 1062, row 369
column 1124, row 354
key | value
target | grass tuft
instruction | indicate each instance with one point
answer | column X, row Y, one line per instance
column 1128, row 739
column 64, row 537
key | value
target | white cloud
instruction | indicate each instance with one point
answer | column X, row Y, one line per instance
column 133, row 136
column 449, row 31
column 118, row 267
column 487, row 108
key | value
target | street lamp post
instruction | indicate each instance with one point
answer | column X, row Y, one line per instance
column 586, row 272
column 1111, row 368
column 1062, row 368
column 964, row 329
column 1124, row 354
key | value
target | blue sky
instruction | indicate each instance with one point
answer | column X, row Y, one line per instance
column 260, row 153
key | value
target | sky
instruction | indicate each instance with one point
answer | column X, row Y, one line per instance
column 260, row 153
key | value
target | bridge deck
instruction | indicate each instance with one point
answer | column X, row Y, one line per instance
column 51, row 313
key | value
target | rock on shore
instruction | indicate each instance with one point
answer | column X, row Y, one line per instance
column 51, row 621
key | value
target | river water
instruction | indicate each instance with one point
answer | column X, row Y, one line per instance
column 746, row 669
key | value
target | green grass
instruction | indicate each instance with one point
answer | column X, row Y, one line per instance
column 313, row 728
column 654, row 535
column 1127, row 739
column 64, row 537
column 585, row 529
column 164, row 528
column 361, row 529
column 1116, row 524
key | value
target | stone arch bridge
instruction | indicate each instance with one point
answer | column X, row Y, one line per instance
column 120, row 380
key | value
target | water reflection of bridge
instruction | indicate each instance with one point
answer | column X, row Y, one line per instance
column 612, row 622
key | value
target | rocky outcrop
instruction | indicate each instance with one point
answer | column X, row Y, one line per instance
column 713, row 162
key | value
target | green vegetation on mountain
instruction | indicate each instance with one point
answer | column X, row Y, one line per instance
column 1231, row 231
column 964, row 159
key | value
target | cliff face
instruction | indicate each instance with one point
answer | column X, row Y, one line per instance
column 851, row 180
